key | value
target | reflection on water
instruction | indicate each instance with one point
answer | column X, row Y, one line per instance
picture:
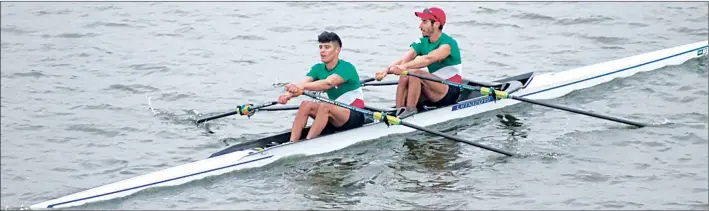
column 431, row 153
column 511, row 126
column 335, row 182
column 430, row 163
column 427, row 164
column 702, row 64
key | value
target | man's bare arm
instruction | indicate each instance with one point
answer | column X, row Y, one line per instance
column 425, row 60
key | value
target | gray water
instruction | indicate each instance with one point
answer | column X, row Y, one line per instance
column 76, row 78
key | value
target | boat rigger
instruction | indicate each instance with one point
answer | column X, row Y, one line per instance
column 263, row 151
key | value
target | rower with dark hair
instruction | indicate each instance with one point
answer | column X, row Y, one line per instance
column 340, row 80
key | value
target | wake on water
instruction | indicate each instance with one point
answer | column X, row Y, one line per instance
column 191, row 116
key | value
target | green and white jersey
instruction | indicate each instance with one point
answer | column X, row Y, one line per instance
column 450, row 68
column 350, row 91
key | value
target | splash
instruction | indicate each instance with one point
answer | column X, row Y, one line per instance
column 150, row 106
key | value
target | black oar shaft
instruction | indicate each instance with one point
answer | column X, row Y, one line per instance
column 462, row 86
column 217, row 116
column 456, row 138
column 281, row 108
column 401, row 122
column 366, row 80
column 573, row 110
column 387, row 83
column 507, row 95
column 235, row 112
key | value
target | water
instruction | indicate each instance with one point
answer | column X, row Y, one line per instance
column 76, row 78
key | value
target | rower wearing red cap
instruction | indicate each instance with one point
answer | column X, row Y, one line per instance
column 436, row 51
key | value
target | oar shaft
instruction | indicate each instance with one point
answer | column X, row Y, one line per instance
column 217, row 116
column 236, row 112
column 306, row 93
column 281, row 108
column 387, row 83
column 573, row 110
column 456, row 138
column 462, row 86
column 503, row 94
column 399, row 121
column 366, row 80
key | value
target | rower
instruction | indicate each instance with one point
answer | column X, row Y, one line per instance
column 340, row 80
column 440, row 54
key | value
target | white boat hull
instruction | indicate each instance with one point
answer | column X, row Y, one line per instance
column 546, row 86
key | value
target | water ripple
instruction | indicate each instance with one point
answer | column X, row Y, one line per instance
column 488, row 24
column 248, row 37
column 88, row 128
column 133, row 88
column 534, row 16
column 75, row 77
column 97, row 24
column 73, row 35
column 586, row 20
column 15, row 30
column 688, row 31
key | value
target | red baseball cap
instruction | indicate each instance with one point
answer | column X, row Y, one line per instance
column 433, row 13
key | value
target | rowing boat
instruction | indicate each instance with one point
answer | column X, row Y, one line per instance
column 266, row 150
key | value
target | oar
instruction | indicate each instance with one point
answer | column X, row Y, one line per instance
column 242, row 109
column 245, row 109
column 281, row 108
column 505, row 95
column 392, row 120
column 366, row 80
column 383, row 83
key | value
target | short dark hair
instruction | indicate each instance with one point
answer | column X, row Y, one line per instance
column 329, row 37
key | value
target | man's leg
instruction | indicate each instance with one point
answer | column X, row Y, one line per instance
column 307, row 109
column 336, row 115
column 414, row 93
column 431, row 90
column 401, row 91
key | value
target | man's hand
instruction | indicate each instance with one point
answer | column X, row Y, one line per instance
column 381, row 74
column 396, row 69
column 293, row 89
column 283, row 99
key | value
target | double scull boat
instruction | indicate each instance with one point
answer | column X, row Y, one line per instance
column 266, row 150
